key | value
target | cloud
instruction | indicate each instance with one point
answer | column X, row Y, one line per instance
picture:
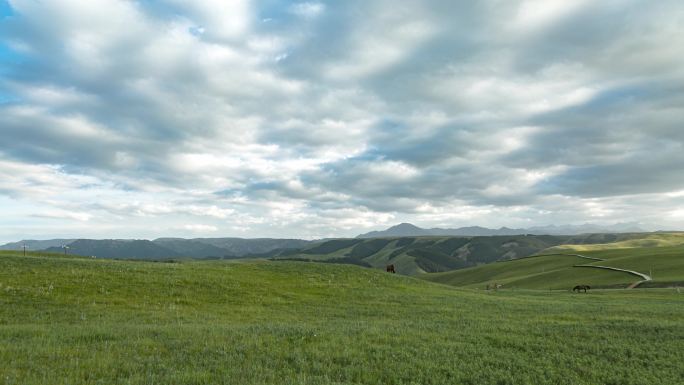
column 198, row 228
column 64, row 215
column 307, row 9
column 317, row 118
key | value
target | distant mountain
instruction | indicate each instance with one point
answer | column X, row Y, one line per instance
column 162, row 247
column 117, row 248
column 426, row 258
column 191, row 248
column 35, row 244
column 587, row 228
column 243, row 246
column 409, row 230
column 416, row 255
column 400, row 230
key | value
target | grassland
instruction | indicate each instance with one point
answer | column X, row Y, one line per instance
column 544, row 272
column 664, row 264
column 627, row 241
column 67, row 320
column 557, row 267
column 432, row 254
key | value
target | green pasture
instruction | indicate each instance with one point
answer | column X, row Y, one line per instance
column 556, row 267
column 628, row 241
column 67, row 320
column 664, row 264
column 544, row 272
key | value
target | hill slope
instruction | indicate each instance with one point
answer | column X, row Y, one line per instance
column 416, row 255
column 114, row 248
column 564, row 268
column 33, row 244
column 241, row 246
column 85, row 321
column 161, row 247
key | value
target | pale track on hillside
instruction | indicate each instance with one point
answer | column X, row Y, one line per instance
column 644, row 277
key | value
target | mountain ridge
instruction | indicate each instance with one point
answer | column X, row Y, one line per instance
column 160, row 248
column 167, row 248
column 411, row 230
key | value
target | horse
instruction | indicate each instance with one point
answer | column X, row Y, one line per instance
column 390, row 269
column 581, row 287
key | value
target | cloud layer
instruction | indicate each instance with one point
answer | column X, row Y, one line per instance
column 311, row 119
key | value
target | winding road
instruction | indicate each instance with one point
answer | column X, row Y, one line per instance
column 644, row 277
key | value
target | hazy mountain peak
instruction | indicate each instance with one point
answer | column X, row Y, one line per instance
column 405, row 226
column 408, row 229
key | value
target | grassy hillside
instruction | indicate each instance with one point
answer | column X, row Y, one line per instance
column 415, row 255
column 65, row 320
column 624, row 241
column 552, row 272
column 664, row 264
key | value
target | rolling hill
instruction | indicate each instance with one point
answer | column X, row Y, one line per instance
column 33, row 244
column 416, row 255
column 410, row 255
column 161, row 248
column 116, row 248
column 241, row 246
column 563, row 266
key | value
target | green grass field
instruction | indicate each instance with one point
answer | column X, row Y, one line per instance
column 628, row 241
column 544, row 272
column 83, row 321
column 665, row 264
column 556, row 271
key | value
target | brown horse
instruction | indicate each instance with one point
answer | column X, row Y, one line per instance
column 390, row 269
column 581, row 287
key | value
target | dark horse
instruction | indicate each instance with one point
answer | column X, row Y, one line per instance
column 581, row 287
column 390, row 269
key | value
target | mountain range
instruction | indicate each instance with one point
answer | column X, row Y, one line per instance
column 164, row 248
column 160, row 248
column 410, row 230
column 429, row 254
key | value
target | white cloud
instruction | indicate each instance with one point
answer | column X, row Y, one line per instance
column 63, row 214
column 223, row 19
column 535, row 14
column 199, row 228
column 385, row 38
column 308, row 9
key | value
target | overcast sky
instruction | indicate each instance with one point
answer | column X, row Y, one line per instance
column 211, row 118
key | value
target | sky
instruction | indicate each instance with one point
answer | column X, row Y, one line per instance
column 209, row 118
